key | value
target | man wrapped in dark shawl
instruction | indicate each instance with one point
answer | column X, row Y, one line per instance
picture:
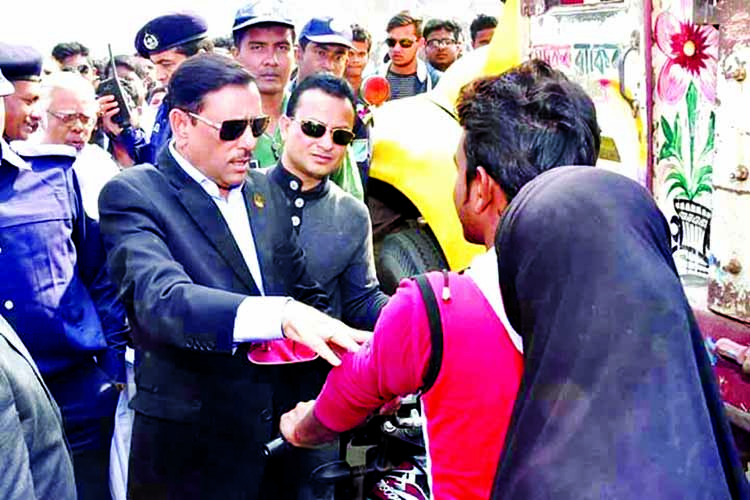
column 618, row 399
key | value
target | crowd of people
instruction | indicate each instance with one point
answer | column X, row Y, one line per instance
column 186, row 250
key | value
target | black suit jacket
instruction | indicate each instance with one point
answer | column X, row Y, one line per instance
column 182, row 277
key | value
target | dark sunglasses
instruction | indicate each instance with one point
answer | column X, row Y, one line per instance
column 83, row 69
column 404, row 42
column 316, row 130
column 230, row 130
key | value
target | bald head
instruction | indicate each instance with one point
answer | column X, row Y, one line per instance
column 70, row 104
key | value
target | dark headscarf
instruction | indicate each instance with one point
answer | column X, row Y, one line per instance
column 618, row 399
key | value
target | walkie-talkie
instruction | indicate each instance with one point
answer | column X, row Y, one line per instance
column 112, row 86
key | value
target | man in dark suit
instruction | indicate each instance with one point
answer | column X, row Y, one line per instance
column 208, row 267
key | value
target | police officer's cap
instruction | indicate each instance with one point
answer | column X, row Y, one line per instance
column 20, row 62
column 326, row 30
column 263, row 12
column 169, row 31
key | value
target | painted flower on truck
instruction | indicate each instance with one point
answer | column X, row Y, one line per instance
column 692, row 53
column 686, row 93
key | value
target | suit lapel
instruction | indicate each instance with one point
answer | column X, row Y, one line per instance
column 256, row 202
column 202, row 209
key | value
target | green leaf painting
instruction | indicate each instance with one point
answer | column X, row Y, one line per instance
column 686, row 179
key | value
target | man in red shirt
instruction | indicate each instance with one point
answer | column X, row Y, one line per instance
column 516, row 126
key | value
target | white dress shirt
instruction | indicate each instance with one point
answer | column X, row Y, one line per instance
column 94, row 167
column 258, row 318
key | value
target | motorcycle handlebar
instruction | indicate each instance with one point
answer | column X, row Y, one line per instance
column 275, row 447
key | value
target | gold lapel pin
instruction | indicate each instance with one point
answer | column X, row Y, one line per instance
column 259, row 200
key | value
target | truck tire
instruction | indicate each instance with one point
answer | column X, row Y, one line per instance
column 405, row 254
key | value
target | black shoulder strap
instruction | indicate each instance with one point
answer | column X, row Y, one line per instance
column 436, row 332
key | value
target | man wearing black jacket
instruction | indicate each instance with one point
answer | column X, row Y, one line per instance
column 210, row 272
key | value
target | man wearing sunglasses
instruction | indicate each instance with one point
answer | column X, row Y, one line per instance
column 323, row 47
column 22, row 66
column 210, row 271
column 407, row 74
column 74, row 57
column 333, row 227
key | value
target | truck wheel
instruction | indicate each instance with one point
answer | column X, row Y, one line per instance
column 407, row 253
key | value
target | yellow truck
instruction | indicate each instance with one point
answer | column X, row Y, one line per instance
column 669, row 81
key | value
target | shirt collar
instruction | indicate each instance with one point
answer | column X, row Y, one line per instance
column 12, row 157
column 292, row 185
column 207, row 184
column 484, row 272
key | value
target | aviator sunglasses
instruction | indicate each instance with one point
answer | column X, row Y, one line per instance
column 82, row 69
column 316, row 130
column 229, row 130
column 404, row 42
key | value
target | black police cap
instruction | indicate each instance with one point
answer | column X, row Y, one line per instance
column 169, row 31
column 19, row 62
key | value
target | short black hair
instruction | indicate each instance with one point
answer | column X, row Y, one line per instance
column 481, row 22
column 442, row 24
column 131, row 63
column 405, row 18
column 223, row 42
column 190, row 49
column 136, row 92
column 127, row 62
column 64, row 50
column 239, row 35
column 525, row 121
column 359, row 34
column 201, row 75
column 325, row 82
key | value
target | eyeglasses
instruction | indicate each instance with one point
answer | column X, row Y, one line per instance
column 230, row 130
column 83, row 69
column 69, row 117
column 404, row 42
column 316, row 130
column 441, row 42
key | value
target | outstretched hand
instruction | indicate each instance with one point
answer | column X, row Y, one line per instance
column 320, row 332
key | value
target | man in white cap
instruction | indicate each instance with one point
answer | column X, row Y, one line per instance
column 263, row 42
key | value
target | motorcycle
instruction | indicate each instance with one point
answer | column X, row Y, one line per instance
column 384, row 459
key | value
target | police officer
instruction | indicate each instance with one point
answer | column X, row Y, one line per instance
column 57, row 296
column 23, row 67
column 167, row 41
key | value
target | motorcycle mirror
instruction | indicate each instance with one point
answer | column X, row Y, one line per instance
column 376, row 90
